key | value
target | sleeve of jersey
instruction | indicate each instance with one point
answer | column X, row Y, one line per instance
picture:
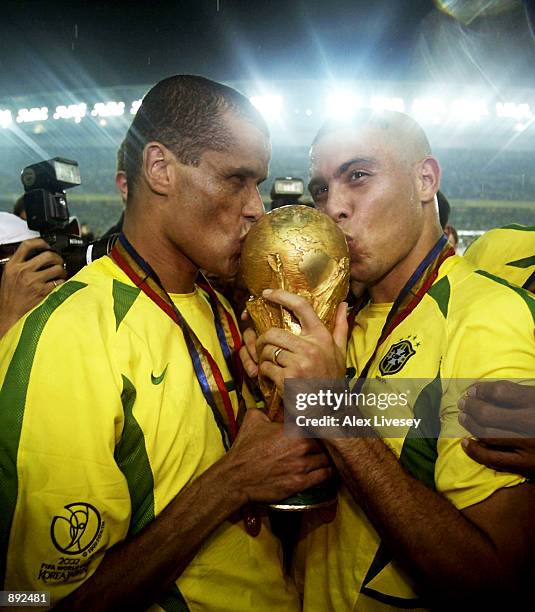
column 476, row 250
column 63, row 499
column 491, row 341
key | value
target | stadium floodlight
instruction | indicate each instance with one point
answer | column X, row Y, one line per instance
column 72, row 111
column 6, row 118
column 343, row 104
column 270, row 106
column 468, row 110
column 428, row 110
column 108, row 109
column 512, row 110
column 381, row 103
column 520, row 127
column 308, row 112
column 29, row 115
column 135, row 106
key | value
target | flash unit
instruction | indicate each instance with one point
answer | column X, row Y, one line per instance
column 288, row 186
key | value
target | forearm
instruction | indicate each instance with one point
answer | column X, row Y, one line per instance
column 136, row 572
column 441, row 549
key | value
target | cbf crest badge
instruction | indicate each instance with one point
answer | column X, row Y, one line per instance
column 396, row 358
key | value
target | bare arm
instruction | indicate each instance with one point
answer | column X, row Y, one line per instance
column 263, row 465
column 486, row 548
column 451, row 553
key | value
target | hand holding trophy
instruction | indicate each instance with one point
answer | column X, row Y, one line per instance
column 303, row 251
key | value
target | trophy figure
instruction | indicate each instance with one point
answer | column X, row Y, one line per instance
column 303, row 251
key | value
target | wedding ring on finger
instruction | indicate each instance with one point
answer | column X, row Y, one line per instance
column 276, row 353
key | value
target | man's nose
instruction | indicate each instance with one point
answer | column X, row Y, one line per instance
column 338, row 206
column 254, row 208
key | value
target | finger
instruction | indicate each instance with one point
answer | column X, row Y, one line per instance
column 44, row 260
column 499, row 460
column 27, row 247
column 488, row 415
column 316, row 462
column 315, row 446
column 245, row 316
column 249, row 339
column 504, row 393
column 57, row 282
column 318, row 476
column 49, row 274
column 274, row 373
column 341, row 327
column 254, row 415
column 282, row 338
column 484, row 432
column 248, row 364
column 301, row 308
column 269, row 353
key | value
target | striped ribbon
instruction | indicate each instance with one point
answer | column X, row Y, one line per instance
column 208, row 373
column 409, row 297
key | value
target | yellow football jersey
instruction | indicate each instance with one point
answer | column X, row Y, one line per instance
column 102, row 424
column 468, row 326
column 508, row 252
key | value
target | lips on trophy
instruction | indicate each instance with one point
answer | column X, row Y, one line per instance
column 303, row 251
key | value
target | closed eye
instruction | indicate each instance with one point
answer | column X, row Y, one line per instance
column 238, row 177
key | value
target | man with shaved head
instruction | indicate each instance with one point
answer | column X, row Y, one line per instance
column 418, row 523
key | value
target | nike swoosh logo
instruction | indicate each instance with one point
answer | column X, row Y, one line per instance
column 156, row 380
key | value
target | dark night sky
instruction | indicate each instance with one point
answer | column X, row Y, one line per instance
column 47, row 46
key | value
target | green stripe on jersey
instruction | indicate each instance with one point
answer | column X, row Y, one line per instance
column 12, row 403
column 525, row 295
column 174, row 601
column 132, row 458
column 419, row 453
column 123, row 298
column 394, row 602
column 440, row 292
column 520, row 228
column 526, row 262
column 382, row 558
column 133, row 461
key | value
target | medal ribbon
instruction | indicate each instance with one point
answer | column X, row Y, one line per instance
column 208, row 373
column 226, row 330
column 409, row 297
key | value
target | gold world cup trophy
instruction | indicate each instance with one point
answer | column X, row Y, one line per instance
column 301, row 250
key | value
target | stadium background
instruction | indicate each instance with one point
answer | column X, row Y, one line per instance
column 484, row 142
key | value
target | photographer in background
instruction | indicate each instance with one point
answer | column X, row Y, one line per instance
column 26, row 278
column 19, row 210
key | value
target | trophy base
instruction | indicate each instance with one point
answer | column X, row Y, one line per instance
column 310, row 499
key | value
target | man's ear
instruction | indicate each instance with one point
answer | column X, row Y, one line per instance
column 122, row 185
column 428, row 178
column 157, row 162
